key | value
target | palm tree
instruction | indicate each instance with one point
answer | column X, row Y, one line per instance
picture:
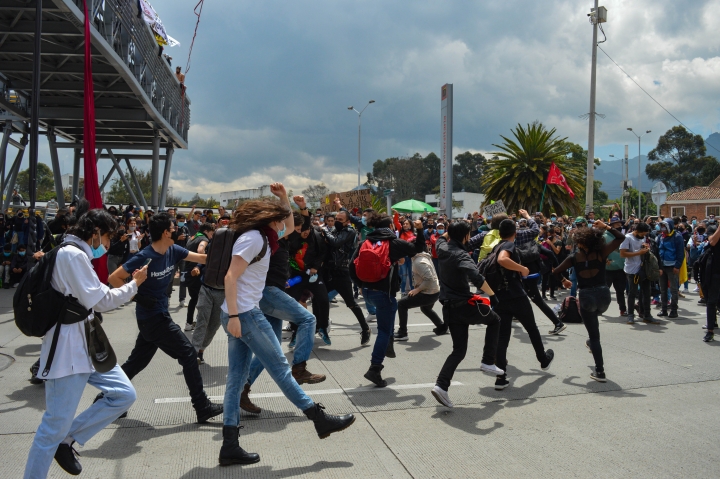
column 517, row 174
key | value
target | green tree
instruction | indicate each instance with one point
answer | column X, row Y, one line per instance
column 468, row 170
column 517, row 174
column 679, row 160
column 118, row 194
column 315, row 193
column 45, row 183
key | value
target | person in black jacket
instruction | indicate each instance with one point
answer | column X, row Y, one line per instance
column 342, row 245
column 119, row 249
column 457, row 269
column 383, row 292
column 191, row 274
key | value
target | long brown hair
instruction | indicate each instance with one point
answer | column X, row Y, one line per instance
column 255, row 214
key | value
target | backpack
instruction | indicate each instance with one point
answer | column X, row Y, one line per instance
column 219, row 256
column 570, row 310
column 372, row 263
column 492, row 271
column 37, row 306
column 529, row 253
column 702, row 269
column 650, row 268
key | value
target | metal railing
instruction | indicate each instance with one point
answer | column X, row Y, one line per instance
column 134, row 42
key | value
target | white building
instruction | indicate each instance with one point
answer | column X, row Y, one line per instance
column 67, row 181
column 469, row 203
column 227, row 198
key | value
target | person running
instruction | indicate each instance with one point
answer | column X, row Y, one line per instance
column 71, row 368
column 426, row 291
column 157, row 328
column 191, row 272
column 260, row 224
column 457, row 270
column 589, row 260
column 514, row 303
column 632, row 250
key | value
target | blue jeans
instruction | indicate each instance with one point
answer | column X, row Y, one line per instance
column 62, row 397
column 276, row 306
column 332, row 294
column 573, row 278
column 368, row 303
column 406, row 283
column 386, row 309
column 257, row 338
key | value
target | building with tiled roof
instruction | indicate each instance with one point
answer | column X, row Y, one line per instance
column 699, row 201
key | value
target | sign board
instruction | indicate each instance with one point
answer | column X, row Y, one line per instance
column 446, row 160
column 494, row 209
column 659, row 193
column 350, row 199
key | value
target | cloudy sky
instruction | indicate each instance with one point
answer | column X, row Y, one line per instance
column 270, row 82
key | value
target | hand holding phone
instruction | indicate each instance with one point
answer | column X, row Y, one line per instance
column 147, row 262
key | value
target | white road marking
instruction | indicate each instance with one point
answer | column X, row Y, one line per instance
column 363, row 389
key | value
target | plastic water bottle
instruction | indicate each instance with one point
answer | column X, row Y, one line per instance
column 293, row 281
column 313, row 278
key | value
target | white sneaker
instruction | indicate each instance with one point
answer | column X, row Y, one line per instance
column 189, row 326
column 491, row 369
column 16, row 285
column 370, row 318
column 441, row 396
column 182, row 303
column 287, row 326
column 696, row 289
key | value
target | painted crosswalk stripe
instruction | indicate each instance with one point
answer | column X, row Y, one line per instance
column 363, row 389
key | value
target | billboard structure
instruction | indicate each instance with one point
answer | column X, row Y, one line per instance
column 446, row 161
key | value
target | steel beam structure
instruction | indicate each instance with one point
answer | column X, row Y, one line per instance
column 3, row 154
column 57, row 174
column 97, row 158
column 107, row 178
column 155, row 172
column 137, row 184
column 12, row 176
column 76, row 174
column 116, row 165
column 166, row 176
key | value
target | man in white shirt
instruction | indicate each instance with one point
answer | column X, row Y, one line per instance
column 632, row 249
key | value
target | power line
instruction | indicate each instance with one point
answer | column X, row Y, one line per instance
column 651, row 97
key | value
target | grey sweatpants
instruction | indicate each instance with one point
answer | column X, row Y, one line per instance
column 208, row 316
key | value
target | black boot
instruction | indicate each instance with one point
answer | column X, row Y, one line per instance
column 390, row 350
column 208, row 411
column 326, row 424
column 231, row 452
column 374, row 376
column 66, row 457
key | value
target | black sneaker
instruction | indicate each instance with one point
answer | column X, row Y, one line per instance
column 440, row 330
column 34, row 379
column 209, row 411
column 365, row 337
column 663, row 313
column 673, row 315
column 709, row 337
column 66, row 457
column 599, row 376
column 390, row 350
column 559, row 328
column 501, row 383
column 401, row 336
column 702, row 301
column 549, row 356
column 200, row 359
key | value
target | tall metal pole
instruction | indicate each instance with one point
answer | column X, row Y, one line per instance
column 627, row 178
column 359, row 127
column 639, row 173
column 35, row 107
column 591, row 128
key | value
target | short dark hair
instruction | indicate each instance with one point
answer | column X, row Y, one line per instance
column 180, row 216
column 206, row 227
column 642, row 228
column 497, row 219
column 21, row 246
column 507, row 228
column 458, row 231
column 297, row 218
column 87, row 224
column 159, row 224
column 381, row 220
column 7, row 247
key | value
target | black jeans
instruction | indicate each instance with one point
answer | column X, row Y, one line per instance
column 459, row 320
column 593, row 303
column 193, row 288
column 531, row 288
column 644, row 299
column 548, row 281
column 339, row 280
column 521, row 309
column 425, row 302
column 320, row 301
column 617, row 279
column 713, row 298
column 161, row 332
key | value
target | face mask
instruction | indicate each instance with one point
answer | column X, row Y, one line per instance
column 364, row 221
column 657, row 227
column 21, row 253
column 7, row 255
column 441, row 232
column 694, row 222
column 99, row 251
column 281, row 233
column 131, row 229
column 181, row 224
column 701, row 231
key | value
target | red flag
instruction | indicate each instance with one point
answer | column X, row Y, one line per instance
column 555, row 177
column 92, row 188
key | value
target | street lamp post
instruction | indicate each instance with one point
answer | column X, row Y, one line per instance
column 639, row 169
column 624, row 180
column 359, row 131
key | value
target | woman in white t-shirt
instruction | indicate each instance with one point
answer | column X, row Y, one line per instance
column 71, row 368
column 260, row 224
column 135, row 237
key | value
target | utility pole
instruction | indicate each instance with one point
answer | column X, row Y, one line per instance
column 597, row 15
column 639, row 170
column 359, row 131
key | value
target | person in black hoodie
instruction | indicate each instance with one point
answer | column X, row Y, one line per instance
column 457, row 269
column 342, row 245
column 382, row 293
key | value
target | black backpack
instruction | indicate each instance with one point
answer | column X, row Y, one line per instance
column 492, row 271
column 219, row 256
column 570, row 311
column 702, row 269
column 529, row 253
column 38, row 307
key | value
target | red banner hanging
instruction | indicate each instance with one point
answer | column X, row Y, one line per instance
column 555, row 177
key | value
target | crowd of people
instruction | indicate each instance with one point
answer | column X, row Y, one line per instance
column 283, row 262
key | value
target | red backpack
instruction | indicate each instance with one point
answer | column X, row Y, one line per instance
column 372, row 263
